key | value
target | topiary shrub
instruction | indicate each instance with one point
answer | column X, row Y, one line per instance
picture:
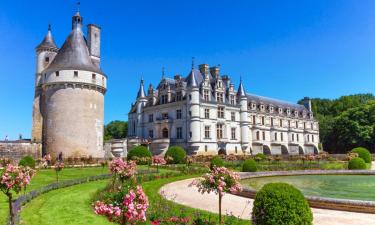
column 27, row 161
column 249, row 166
column 175, row 155
column 280, row 203
column 363, row 153
column 217, row 161
column 357, row 164
column 140, row 154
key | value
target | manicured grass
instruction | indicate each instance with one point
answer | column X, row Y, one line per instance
column 358, row 187
column 46, row 176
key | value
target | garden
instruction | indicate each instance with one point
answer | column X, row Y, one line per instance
column 126, row 191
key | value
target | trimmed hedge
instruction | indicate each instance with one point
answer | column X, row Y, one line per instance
column 363, row 153
column 176, row 154
column 282, row 204
column 27, row 161
column 357, row 164
column 139, row 153
column 217, row 161
column 249, row 166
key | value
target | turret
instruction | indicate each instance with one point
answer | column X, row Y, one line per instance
column 193, row 108
column 141, row 103
column 244, row 122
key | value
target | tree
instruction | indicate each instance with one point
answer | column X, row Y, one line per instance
column 116, row 130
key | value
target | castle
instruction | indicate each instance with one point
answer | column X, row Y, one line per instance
column 68, row 106
column 204, row 113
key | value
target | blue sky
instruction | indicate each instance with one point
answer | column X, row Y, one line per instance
column 282, row 49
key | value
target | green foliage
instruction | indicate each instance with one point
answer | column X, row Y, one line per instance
column 27, row 161
column 363, row 153
column 116, row 130
column 281, row 203
column 249, row 166
column 140, row 154
column 260, row 156
column 175, row 155
column 217, row 161
column 346, row 122
column 357, row 164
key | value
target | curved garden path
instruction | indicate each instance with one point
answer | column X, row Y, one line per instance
column 180, row 192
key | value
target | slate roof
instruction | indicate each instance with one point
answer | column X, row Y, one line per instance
column 48, row 41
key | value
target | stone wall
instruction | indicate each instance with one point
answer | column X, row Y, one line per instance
column 15, row 150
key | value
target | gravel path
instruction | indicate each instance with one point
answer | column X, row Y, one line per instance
column 181, row 193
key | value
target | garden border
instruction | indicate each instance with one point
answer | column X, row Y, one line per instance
column 315, row 201
column 23, row 199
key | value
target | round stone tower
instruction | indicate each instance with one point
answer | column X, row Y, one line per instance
column 72, row 96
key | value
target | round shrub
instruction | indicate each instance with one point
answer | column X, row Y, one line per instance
column 363, row 153
column 281, row 203
column 140, row 154
column 175, row 155
column 357, row 164
column 27, row 161
column 217, row 161
column 249, row 166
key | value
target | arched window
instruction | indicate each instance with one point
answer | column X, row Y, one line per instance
column 165, row 133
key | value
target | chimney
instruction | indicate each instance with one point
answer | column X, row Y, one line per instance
column 215, row 71
column 203, row 68
column 93, row 42
column 307, row 103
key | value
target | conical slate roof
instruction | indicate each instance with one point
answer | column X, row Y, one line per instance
column 194, row 78
column 141, row 91
column 48, row 41
column 74, row 54
column 241, row 89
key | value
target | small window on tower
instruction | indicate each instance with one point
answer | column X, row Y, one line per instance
column 75, row 73
column 57, row 73
column 93, row 76
column 47, row 59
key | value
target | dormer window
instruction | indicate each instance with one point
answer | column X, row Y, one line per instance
column 304, row 114
column 296, row 113
column 288, row 111
column 271, row 109
column 219, row 84
column 253, row 106
column 262, row 107
column 280, row 110
column 219, row 97
column 232, row 101
column 206, row 95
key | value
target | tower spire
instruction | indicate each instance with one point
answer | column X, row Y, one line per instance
column 141, row 91
column 192, row 62
column 163, row 73
column 241, row 89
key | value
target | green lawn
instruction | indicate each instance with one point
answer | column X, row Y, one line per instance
column 46, row 176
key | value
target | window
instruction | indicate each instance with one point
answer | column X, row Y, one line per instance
column 165, row 116
column 190, row 113
column 57, row 73
column 219, row 97
column 282, row 136
column 46, row 59
column 312, row 126
column 206, row 95
column 271, row 122
column 254, row 120
column 296, row 124
column 190, row 134
column 257, row 135
column 164, row 99
column 232, row 101
column 262, row 120
column 233, row 133
column 75, row 73
column 264, row 135
column 288, row 123
column 308, row 138
column 275, row 136
column 219, row 131
column 190, row 97
column 93, row 76
column 281, row 122
column 151, row 133
column 220, row 112
column 312, row 138
column 205, row 148
column 304, row 125
column 297, row 137
column 292, row 137
column 207, row 132
column 165, row 133
column 178, row 96
column 178, row 114
column 179, row 132
column 207, row 113
column 151, row 118
column 233, row 116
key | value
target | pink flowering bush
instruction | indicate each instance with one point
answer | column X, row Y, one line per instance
column 131, row 209
column 219, row 181
column 14, row 179
column 122, row 169
column 157, row 160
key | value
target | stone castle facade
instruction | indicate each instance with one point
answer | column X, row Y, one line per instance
column 68, row 107
column 205, row 114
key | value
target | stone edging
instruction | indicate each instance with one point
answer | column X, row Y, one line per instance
column 315, row 201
